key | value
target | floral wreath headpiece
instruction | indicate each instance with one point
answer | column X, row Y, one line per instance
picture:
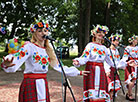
column 98, row 28
column 2, row 30
column 38, row 24
column 116, row 37
column 131, row 39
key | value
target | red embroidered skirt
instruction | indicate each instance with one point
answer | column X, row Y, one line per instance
column 89, row 80
column 130, row 74
column 28, row 92
column 110, row 79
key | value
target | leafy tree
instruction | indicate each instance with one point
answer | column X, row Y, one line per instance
column 18, row 14
column 60, row 15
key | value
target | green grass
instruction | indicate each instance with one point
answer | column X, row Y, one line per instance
column 69, row 61
column 122, row 74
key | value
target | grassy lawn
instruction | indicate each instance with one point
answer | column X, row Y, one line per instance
column 67, row 62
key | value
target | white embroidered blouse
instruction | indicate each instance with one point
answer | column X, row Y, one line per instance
column 36, row 61
column 94, row 52
column 118, row 63
column 130, row 52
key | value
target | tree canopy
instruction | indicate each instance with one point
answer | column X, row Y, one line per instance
column 69, row 19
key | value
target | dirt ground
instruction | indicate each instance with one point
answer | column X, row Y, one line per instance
column 9, row 87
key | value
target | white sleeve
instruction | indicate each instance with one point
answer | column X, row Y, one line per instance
column 126, row 55
column 84, row 58
column 107, row 59
column 69, row 71
column 122, row 64
column 19, row 58
column 106, row 67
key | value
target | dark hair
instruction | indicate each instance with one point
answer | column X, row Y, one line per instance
column 130, row 43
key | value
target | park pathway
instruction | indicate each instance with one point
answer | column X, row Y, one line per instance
column 9, row 87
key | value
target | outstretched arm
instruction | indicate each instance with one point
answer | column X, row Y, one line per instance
column 12, row 62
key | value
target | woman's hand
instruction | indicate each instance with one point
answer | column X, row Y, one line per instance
column 108, row 74
column 132, row 63
column 75, row 62
column 85, row 73
column 7, row 62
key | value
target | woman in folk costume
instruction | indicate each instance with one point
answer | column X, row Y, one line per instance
column 115, row 39
column 94, row 54
column 130, row 72
column 37, row 56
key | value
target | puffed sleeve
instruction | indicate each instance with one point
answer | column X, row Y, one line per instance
column 126, row 55
column 69, row 71
column 19, row 58
column 123, row 62
column 106, row 67
column 84, row 58
column 108, row 59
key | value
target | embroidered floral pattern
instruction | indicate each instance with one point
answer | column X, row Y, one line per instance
column 134, row 51
column 91, row 93
column 125, row 54
column 42, row 60
column 21, row 53
column 98, row 51
column 131, row 51
column 116, row 57
column 85, row 53
column 117, row 84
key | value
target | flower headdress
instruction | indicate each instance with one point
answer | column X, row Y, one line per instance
column 116, row 37
column 2, row 30
column 131, row 39
column 100, row 28
column 38, row 24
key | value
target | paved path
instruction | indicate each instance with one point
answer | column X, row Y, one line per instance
column 9, row 87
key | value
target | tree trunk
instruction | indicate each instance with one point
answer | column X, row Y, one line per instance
column 84, row 24
column 107, row 18
column 80, row 41
column 87, row 21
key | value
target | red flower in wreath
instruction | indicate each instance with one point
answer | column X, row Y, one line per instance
column 44, row 61
column 32, row 30
column 40, row 24
column 37, row 57
column 46, row 25
column 22, row 54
